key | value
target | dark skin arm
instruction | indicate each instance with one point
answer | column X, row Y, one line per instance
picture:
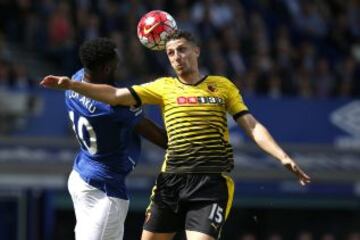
column 113, row 96
column 152, row 132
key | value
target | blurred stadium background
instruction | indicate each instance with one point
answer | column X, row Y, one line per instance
column 295, row 61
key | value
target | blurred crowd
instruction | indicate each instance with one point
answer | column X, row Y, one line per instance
column 275, row 48
column 17, row 92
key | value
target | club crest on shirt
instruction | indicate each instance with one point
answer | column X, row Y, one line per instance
column 212, row 87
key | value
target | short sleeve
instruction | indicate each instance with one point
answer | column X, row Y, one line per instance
column 148, row 93
column 234, row 102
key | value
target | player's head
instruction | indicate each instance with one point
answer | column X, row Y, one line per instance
column 100, row 60
column 183, row 52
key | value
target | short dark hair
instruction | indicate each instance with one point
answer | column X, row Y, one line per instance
column 96, row 53
column 178, row 34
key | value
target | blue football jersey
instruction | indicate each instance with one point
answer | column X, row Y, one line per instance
column 109, row 149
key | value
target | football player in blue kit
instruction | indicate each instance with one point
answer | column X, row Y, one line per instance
column 109, row 148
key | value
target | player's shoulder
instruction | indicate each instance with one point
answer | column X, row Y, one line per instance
column 166, row 79
column 78, row 75
column 161, row 80
column 220, row 80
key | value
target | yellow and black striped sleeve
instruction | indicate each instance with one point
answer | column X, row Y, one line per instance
column 234, row 102
column 148, row 93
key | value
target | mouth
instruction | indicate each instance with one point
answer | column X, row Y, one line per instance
column 179, row 69
column 179, row 66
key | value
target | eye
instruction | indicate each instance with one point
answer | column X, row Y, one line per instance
column 170, row 53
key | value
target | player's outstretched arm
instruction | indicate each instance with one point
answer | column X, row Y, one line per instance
column 101, row 92
column 260, row 135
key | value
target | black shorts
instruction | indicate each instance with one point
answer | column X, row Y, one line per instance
column 195, row 202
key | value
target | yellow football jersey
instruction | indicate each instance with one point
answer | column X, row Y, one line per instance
column 195, row 120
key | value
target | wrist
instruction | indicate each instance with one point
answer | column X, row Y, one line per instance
column 286, row 160
column 71, row 85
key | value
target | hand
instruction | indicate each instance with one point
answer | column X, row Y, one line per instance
column 295, row 169
column 56, row 82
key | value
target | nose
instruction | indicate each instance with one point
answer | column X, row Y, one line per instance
column 177, row 58
column 176, row 55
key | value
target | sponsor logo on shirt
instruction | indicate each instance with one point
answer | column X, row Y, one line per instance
column 200, row 100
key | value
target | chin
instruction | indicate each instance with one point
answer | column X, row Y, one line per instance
column 178, row 72
column 182, row 72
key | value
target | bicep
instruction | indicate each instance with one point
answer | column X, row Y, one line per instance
column 123, row 96
column 247, row 122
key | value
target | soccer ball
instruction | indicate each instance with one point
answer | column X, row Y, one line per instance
column 154, row 28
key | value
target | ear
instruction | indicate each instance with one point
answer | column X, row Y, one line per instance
column 197, row 51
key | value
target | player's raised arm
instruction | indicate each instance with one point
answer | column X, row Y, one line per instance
column 260, row 135
column 101, row 92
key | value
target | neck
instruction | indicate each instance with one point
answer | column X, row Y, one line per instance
column 91, row 77
column 87, row 77
column 190, row 78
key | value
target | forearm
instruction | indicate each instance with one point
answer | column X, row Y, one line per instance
column 152, row 132
column 260, row 135
column 159, row 138
column 104, row 93
column 265, row 141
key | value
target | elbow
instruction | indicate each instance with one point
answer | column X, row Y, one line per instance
column 260, row 141
column 259, row 134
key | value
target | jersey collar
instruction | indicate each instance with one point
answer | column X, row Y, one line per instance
column 197, row 83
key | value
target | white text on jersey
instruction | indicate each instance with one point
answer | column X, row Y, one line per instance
column 88, row 103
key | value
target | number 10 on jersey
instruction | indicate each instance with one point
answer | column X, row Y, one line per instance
column 79, row 127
